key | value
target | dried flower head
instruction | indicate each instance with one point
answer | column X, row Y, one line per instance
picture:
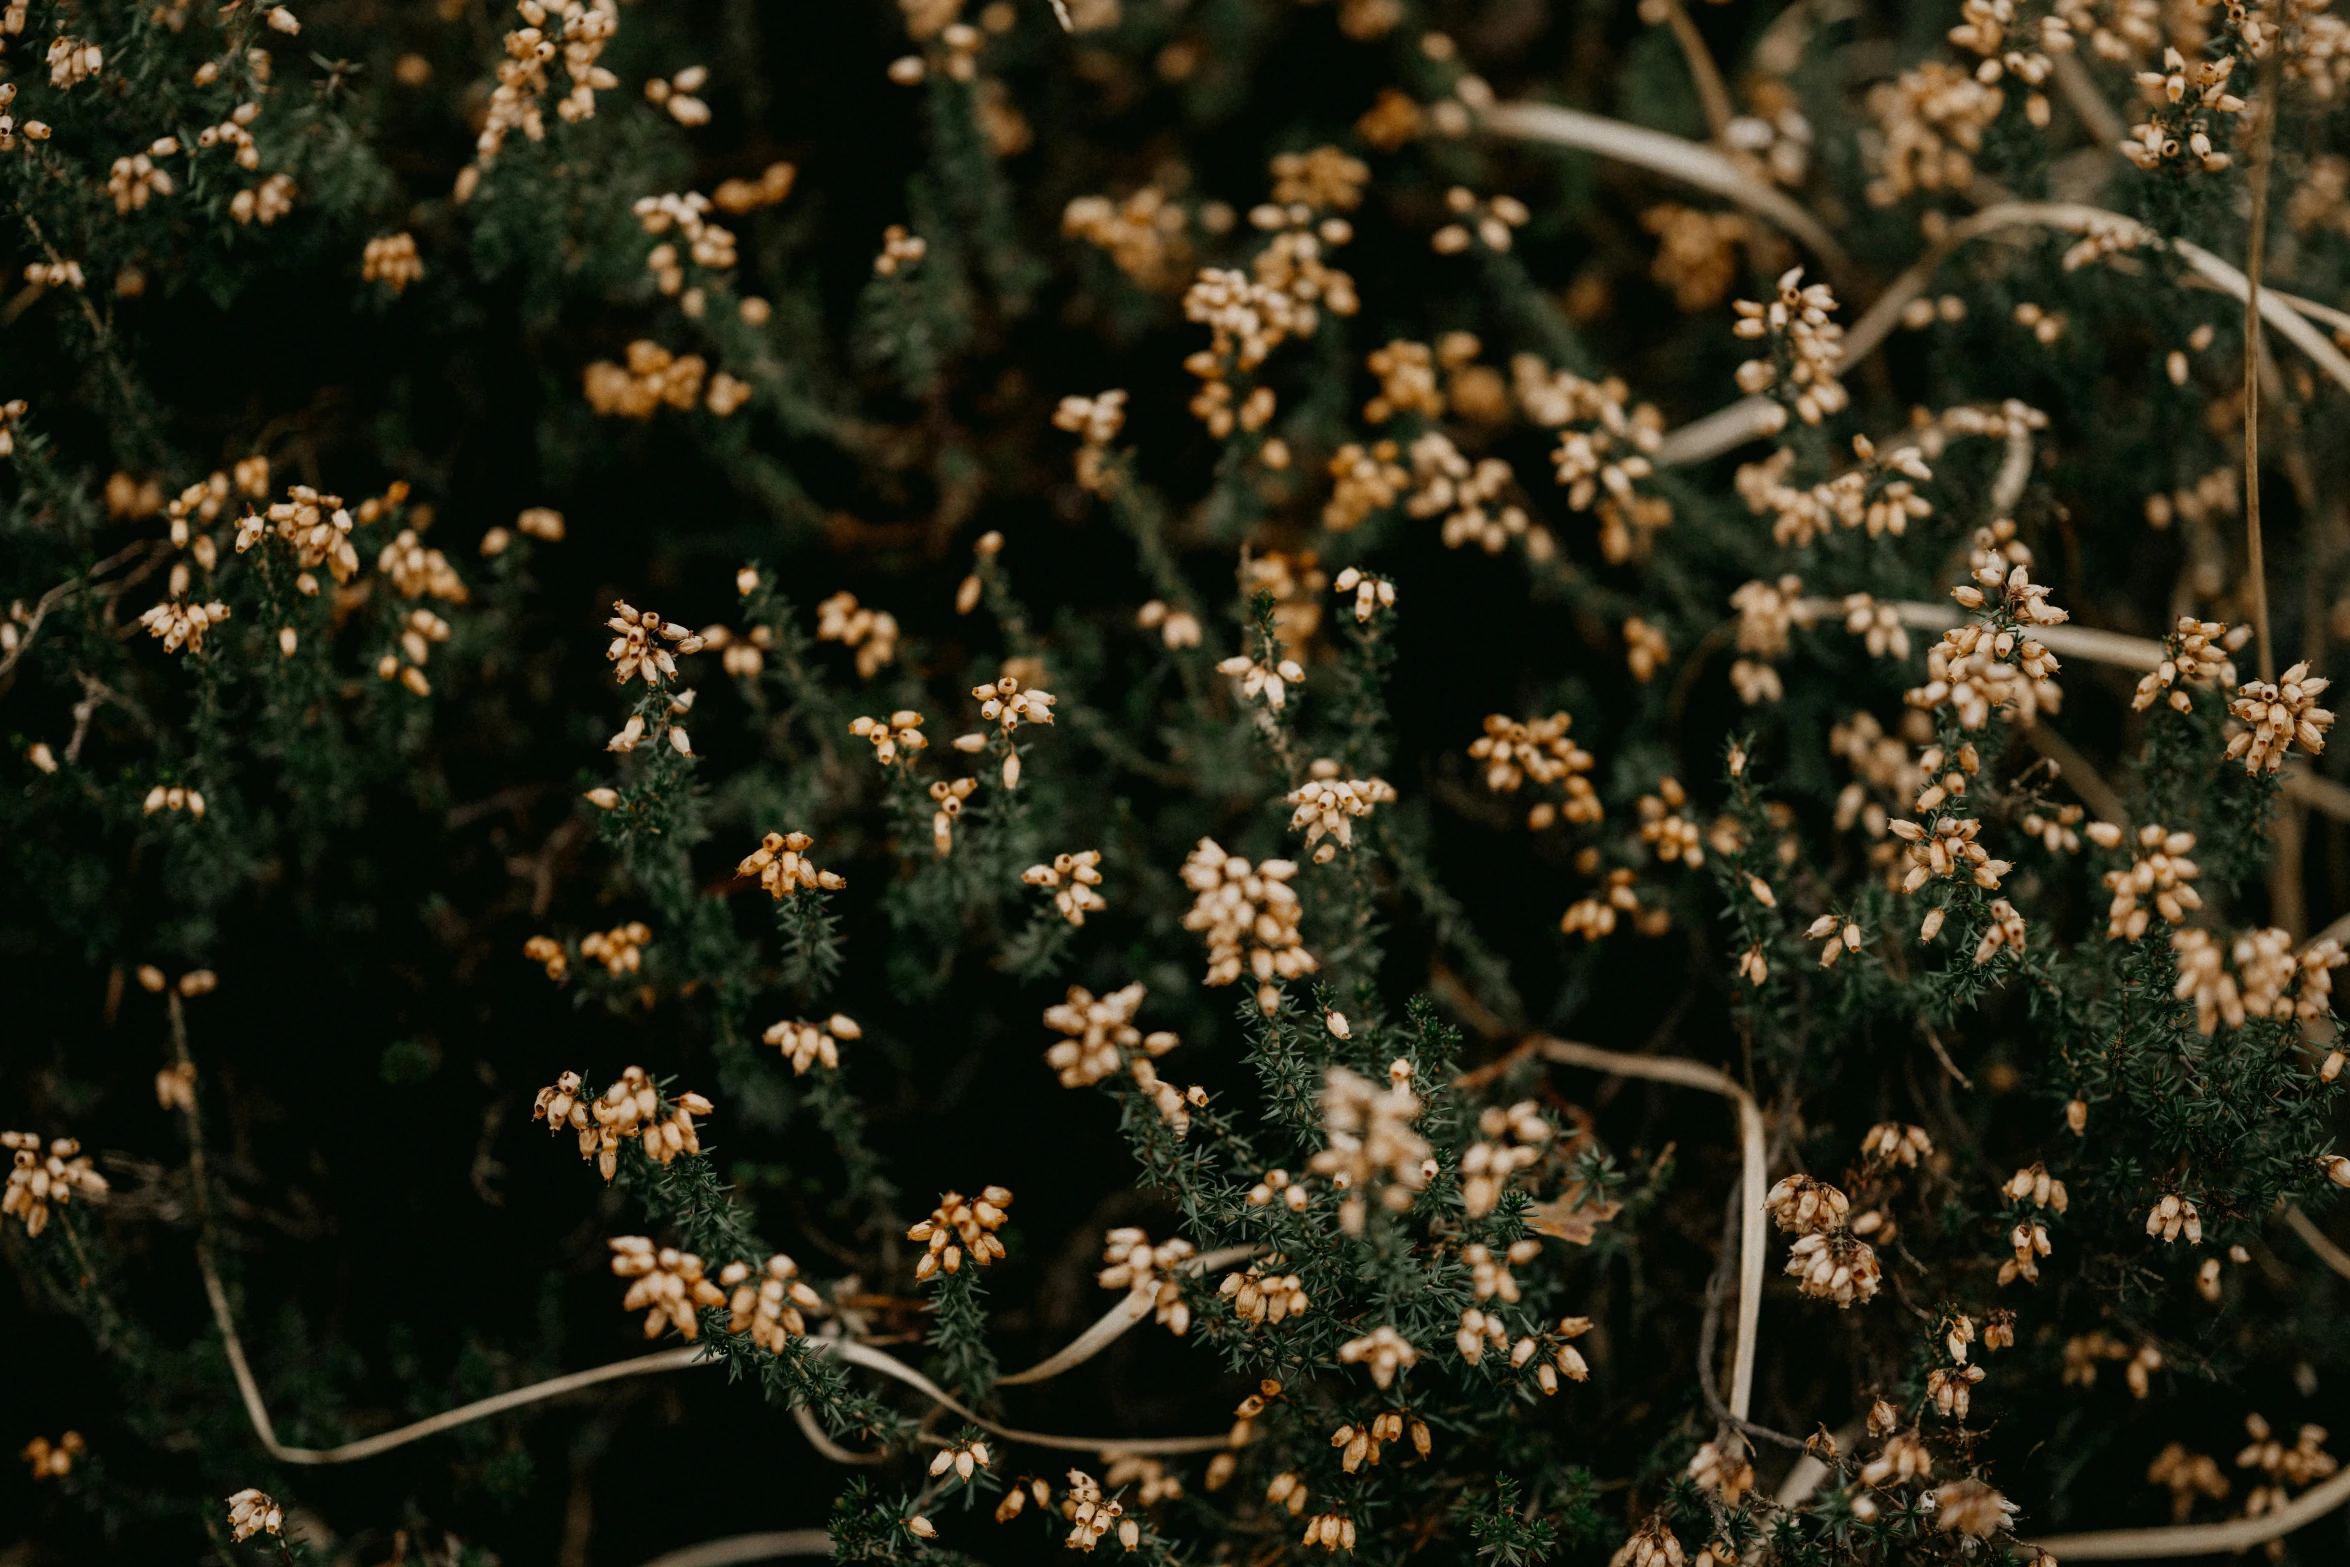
column 1835, row 1266
column 900, row 734
column 2160, row 874
column 637, row 648
column 2194, row 654
column 53, row 1460
column 251, row 1512
column 2173, row 1217
column 620, row 949
column 1538, row 749
column 781, row 865
column 873, row 633
column 1072, row 878
column 1890, row 1142
column 1261, row 1296
column 1370, row 1142
column 806, row 1044
column 669, row 1286
column 2278, row 715
column 390, row 259
column 768, row 1304
column 1328, row 805
column 630, row 1110
column 959, row 1224
column 1248, row 914
column 1509, row 1140
column 1806, row 349
column 1382, row 1351
column 38, row 1179
column 1970, row 1507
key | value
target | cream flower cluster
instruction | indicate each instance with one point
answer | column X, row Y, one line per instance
column 1095, row 421
column 960, row 1225
column 636, row 649
column 2159, row 875
column 629, row 1110
column 418, row 572
column 898, row 734
column 1383, row 1352
column 1879, row 498
column 1260, row 1296
column 1828, row 1260
column 1538, row 748
column 2278, row 715
column 1248, row 914
column 769, row 1304
column 620, row 949
column 1970, row 670
column 183, row 625
column 1101, row 1041
column 1808, row 348
column 2272, row 979
column 584, row 30
column 1072, row 878
column 1100, row 1036
column 806, row 1044
column 1370, row 1143
column 669, row 1286
column 873, row 633
column 781, row 865
column 1326, row 805
column 252, row 1512
column 38, row 1179
column 1509, row 1140
column 2194, row 654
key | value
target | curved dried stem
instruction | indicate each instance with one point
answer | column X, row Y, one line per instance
column 740, row 1548
column 2328, row 1253
column 1712, row 92
column 1700, row 167
column 1750, row 418
column 1114, row 1322
column 2201, row 1539
column 2083, row 642
column 897, row 1370
column 1753, row 1229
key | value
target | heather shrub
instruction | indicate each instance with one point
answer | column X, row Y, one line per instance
column 1227, row 780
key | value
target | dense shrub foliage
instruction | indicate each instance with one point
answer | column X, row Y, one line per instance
column 1584, row 748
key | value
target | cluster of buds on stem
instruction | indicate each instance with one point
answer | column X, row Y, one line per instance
column 806, row 1044
column 958, row 1224
column 1259, row 1296
column 2277, row 716
column 1327, row 805
column 1831, row 1262
column 631, row 1109
column 669, row 1286
column 1510, row 1140
column 768, row 1304
column 37, row 1179
column 1371, row 1143
column 781, row 865
column 637, row 649
column 1072, row 878
column 899, row 733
